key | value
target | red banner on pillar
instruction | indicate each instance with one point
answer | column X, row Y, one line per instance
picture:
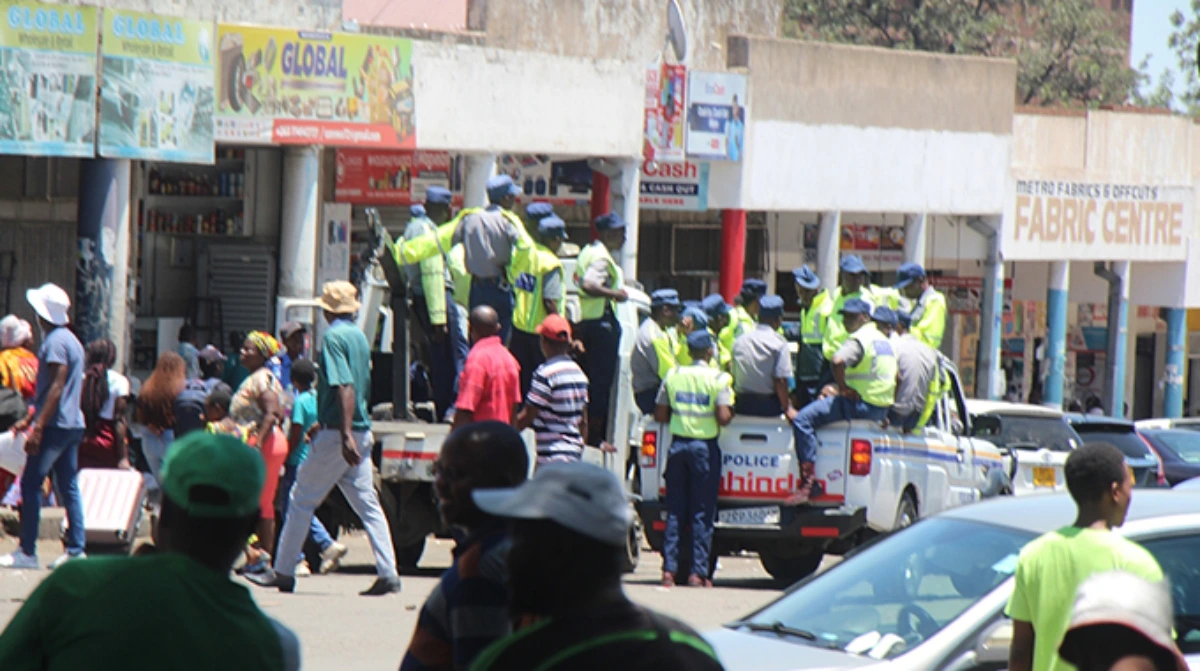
column 370, row 177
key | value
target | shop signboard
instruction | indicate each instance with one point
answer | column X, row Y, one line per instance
column 1095, row 221
column 375, row 177
column 48, row 75
column 716, row 115
column 558, row 180
column 674, row 186
column 666, row 96
column 282, row 86
column 964, row 295
column 156, row 88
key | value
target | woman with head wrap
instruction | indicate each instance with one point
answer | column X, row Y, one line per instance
column 103, row 403
column 18, row 365
column 257, row 409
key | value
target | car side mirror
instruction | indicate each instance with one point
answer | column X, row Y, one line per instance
column 993, row 644
column 985, row 426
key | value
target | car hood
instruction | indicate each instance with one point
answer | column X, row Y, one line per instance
column 746, row 651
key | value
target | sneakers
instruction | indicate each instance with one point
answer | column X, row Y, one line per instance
column 382, row 586
column 331, row 557
column 302, row 570
column 269, row 578
column 258, row 567
column 19, row 560
column 64, row 558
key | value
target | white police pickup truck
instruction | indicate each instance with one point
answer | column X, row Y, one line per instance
column 873, row 480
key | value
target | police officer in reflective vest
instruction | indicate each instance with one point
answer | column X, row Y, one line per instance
column 864, row 369
column 694, row 318
column 812, row 369
column 855, row 283
column 538, row 291
column 743, row 317
column 601, row 286
column 697, row 400
column 718, row 312
column 654, row 350
column 928, row 304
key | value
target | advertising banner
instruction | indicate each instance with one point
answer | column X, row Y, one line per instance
column 373, row 177
column 279, row 86
column 1078, row 221
column 156, row 89
column 674, row 186
column 716, row 115
column 48, row 75
column 666, row 95
column 561, row 180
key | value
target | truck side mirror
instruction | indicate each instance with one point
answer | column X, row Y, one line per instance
column 984, row 426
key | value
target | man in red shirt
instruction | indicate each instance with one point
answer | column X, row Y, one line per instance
column 490, row 385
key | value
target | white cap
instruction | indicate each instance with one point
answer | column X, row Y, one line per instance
column 51, row 303
column 581, row 497
column 14, row 331
column 1122, row 599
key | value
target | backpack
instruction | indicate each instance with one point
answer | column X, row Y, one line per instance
column 189, row 408
column 12, row 408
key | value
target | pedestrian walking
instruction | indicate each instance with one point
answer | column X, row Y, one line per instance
column 490, row 386
column 55, row 430
column 601, row 287
column 468, row 610
column 257, row 409
column 341, row 449
column 489, row 238
column 189, row 615
column 570, row 524
column 653, row 352
column 432, row 287
column 538, row 288
column 696, row 401
column 304, row 418
column 1122, row 622
column 556, row 406
column 762, row 365
column 188, row 350
column 155, row 414
column 1051, row 568
column 103, row 401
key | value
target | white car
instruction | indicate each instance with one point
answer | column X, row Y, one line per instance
column 933, row 596
column 1038, row 439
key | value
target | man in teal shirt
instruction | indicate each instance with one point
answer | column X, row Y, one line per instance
column 340, row 452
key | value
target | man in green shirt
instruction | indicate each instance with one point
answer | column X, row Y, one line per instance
column 173, row 609
column 1050, row 569
column 340, row 452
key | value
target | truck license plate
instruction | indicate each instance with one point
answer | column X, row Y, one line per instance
column 1043, row 476
column 749, row 516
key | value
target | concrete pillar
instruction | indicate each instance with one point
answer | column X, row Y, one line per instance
column 102, row 307
column 829, row 245
column 1117, row 276
column 480, row 168
column 990, row 378
column 1176, row 351
column 626, row 189
column 300, row 222
column 915, row 237
column 600, row 200
column 1059, row 281
column 733, row 252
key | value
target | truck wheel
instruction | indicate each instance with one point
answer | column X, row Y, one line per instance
column 633, row 545
column 906, row 513
column 790, row 567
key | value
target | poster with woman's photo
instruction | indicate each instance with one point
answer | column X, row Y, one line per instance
column 716, row 115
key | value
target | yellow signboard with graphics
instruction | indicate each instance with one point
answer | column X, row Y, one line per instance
column 48, row 75
column 157, row 93
column 279, row 86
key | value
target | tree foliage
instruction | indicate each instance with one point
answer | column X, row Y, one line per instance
column 1185, row 36
column 1067, row 51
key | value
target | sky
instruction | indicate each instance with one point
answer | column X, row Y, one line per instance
column 1151, row 29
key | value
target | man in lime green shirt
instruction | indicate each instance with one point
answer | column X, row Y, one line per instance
column 1051, row 568
column 174, row 609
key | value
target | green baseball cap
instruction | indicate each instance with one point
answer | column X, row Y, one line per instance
column 220, row 464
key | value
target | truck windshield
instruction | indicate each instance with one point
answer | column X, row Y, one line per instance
column 901, row 591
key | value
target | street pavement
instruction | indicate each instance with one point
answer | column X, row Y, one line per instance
column 339, row 629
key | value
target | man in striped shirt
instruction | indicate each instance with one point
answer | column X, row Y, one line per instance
column 556, row 406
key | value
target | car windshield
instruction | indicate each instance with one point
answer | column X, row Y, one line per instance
column 1186, row 444
column 898, row 592
column 1052, row 433
column 1123, row 437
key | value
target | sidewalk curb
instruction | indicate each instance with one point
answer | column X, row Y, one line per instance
column 50, row 525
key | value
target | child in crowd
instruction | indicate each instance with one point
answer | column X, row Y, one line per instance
column 216, row 412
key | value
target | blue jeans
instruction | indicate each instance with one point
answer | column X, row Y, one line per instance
column 497, row 294
column 827, row 411
column 59, row 454
column 316, row 531
column 693, row 481
column 154, row 449
column 446, row 358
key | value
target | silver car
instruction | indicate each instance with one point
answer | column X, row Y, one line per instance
column 933, row 595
